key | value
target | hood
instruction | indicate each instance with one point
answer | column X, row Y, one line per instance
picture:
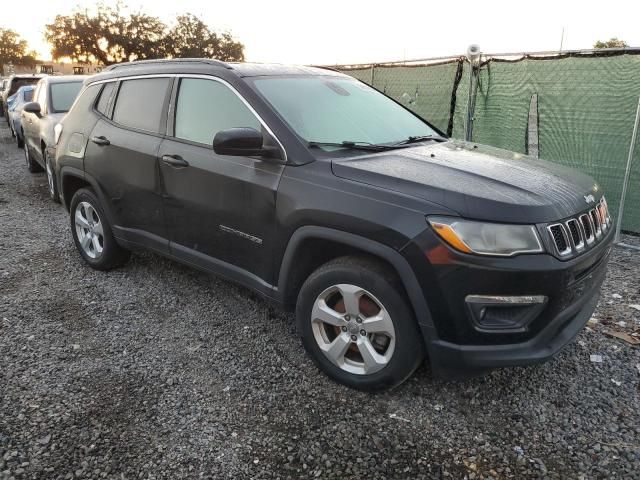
column 477, row 181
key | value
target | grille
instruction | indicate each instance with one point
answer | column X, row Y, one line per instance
column 575, row 234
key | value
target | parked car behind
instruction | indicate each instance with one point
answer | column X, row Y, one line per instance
column 14, row 82
column 4, row 81
column 23, row 96
column 390, row 241
column 53, row 97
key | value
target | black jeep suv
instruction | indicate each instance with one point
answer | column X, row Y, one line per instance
column 391, row 241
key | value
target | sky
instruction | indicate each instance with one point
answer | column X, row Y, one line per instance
column 331, row 32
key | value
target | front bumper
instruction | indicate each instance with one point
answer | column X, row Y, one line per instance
column 454, row 342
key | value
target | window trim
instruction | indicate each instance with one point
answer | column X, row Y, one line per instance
column 169, row 106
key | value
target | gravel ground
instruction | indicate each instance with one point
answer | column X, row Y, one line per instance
column 158, row 371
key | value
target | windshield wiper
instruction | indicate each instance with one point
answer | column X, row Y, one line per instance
column 351, row 145
column 420, row 138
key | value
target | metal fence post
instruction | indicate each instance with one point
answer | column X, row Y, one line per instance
column 627, row 173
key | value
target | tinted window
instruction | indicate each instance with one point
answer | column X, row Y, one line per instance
column 63, row 95
column 205, row 107
column 140, row 102
column 103, row 103
column 21, row 82
column 28, row 95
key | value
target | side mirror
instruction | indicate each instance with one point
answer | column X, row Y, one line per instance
column 243, row 142
column 32, row 107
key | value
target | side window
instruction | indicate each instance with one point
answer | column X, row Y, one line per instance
column 140, row 103
column 205, row 107
column 105, row 95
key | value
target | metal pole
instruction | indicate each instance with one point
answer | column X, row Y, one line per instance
column 372, row 70
column 626, row 173
column 467, row 133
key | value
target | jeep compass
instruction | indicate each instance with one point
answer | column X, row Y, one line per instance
column 391, row 242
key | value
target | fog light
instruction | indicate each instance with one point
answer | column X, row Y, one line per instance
column 506, row 314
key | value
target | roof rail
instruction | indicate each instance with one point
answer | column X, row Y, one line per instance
column 207, row 61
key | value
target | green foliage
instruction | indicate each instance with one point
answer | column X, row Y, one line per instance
column 13, row 49
column 110, row 34
column 190, row 37
column 611, row 43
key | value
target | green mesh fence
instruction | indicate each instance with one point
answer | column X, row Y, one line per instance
column 585, row 110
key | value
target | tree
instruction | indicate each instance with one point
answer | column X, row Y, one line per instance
column 13, row 49
column 190, row 37
column 108, row 35
column 111, row 34
column 611, row 43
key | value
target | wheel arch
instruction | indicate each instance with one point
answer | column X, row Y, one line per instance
column 299, row 261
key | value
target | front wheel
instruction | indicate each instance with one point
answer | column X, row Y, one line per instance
column 32, row 165
column 51, row 178
column 357, row 325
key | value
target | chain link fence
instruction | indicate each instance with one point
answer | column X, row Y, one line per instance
column 575, row 108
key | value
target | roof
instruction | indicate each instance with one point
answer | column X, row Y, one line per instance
column 206, row 65
column 65, row 78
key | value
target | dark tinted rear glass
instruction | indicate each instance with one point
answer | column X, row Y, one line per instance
column 140, row 102
column 103, row 103
column 21, row 82
column 63, row 95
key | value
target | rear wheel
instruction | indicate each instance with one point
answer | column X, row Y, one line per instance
column 92, row 233
column 356, row 324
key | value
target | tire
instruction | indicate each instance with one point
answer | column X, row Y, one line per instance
column 32, row 165
column 51, row 177
column 103, row 252
column 371, row 287
column 20, row 140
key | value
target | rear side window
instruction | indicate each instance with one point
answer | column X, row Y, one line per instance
column 105, row 95
column 205, row 107
column 140, row 103
column 63, row 95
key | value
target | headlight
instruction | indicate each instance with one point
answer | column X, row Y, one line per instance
column 57, row 131
column 487, row 238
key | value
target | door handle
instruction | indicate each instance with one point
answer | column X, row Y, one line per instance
column 102, row 141
column 175, row 161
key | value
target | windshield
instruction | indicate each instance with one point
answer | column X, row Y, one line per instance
column 63, row 95
column 334, row 110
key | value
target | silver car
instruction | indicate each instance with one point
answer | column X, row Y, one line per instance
column 20, row 98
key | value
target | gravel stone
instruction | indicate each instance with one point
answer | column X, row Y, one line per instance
column 166, row 383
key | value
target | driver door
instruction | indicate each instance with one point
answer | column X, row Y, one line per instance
column 219, row 209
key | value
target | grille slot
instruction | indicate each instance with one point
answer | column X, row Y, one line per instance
column 587, row 228
column 595, row 218
column 560, row 238
column 576, row 234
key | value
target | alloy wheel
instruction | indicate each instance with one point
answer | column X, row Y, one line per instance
column 353, row 329
column 89, row 230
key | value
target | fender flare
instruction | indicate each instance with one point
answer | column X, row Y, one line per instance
column 68, row 171
column 393, row 257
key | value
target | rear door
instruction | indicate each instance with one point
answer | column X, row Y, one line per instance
column 220, row 210
column 31, row 121
column 122, row 155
